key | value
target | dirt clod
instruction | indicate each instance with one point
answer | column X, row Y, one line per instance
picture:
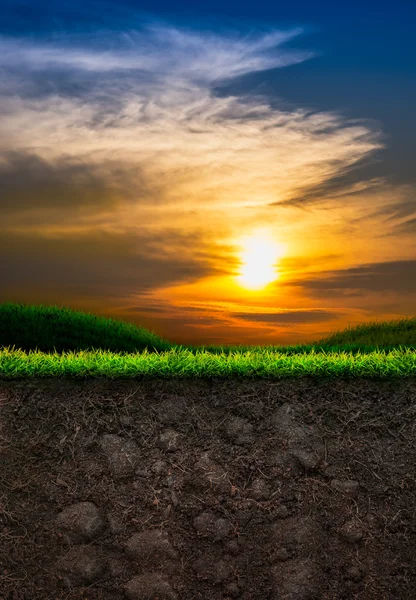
column 149, row 586
column 282, row 511
column 208, row 524
column 355, row 573
column 232, row 590
column 282, row 554
column 80, row 522
column 260, row 490
column 169, row 440
column 349, row 488
column 352, row 532
column 152, row 545
column 239, row 430
column 309, row 459
column 123, row 454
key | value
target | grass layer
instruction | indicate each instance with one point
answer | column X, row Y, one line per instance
column 43, row 341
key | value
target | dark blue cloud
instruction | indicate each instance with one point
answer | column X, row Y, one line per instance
column 364, row 65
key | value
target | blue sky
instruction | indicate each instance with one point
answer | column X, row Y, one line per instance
column 142, row 140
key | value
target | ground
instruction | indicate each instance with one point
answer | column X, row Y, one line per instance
column 209, row 489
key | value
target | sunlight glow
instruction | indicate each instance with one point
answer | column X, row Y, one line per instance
column 259, row 257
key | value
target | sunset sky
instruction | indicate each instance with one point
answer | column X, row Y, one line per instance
column 221, row 172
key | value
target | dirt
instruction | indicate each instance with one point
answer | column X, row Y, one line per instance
column 177, row 489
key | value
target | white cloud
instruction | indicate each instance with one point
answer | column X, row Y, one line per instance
column 157, row 50
column 149, row 101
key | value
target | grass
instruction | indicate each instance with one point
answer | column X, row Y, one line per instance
column 39, row 341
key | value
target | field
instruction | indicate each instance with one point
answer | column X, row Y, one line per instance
column 134, row 468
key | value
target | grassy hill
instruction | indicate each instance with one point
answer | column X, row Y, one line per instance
column 30, row 327
column 385, row 333
column 50, row 328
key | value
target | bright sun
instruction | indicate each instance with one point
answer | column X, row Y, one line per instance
column 259, row 257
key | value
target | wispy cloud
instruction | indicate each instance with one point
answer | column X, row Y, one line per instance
column 291, row 316
column 146, row 99
column 397, row 276
column 156, row 50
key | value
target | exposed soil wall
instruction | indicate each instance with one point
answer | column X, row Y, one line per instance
column 208, row 489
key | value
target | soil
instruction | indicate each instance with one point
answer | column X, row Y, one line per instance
column 177, row 489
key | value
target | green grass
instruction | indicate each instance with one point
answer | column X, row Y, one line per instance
column 39, row 341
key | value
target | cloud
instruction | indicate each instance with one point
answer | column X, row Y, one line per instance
column 100, row 263
column 142, row 103
column 69, row 184
column 296, row 263
column 31, row 183
column 395, row 276
column 350, row 180
column 293, row 316
column 396, row 203
column 405, row 208
column 406, row 227
column 204, row 57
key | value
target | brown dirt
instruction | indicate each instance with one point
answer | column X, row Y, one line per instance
column 207, row 489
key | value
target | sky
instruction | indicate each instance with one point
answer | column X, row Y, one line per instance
column 219, row 172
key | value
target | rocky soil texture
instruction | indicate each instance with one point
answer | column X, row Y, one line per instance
column 207, row 489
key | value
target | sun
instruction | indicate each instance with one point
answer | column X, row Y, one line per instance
column 259, row 257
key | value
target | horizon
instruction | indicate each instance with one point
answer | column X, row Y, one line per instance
column 380, row 326
column 230, row 175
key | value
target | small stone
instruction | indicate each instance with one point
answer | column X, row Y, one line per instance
column 351, row 532
column 284, row 420
column 282, row 554
column 260, row 490
column 310, row 460
column 281, row 512
column 232, row 590
column 239, row 430
column 232, row 547
column 168, row 440
column 207, row 524
column 348, row 487
column 80, row 522
column 212, row 475
column 170, row 480
column 158, row 466
column 149, row 585
column 151, row 545
column 123, row 454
